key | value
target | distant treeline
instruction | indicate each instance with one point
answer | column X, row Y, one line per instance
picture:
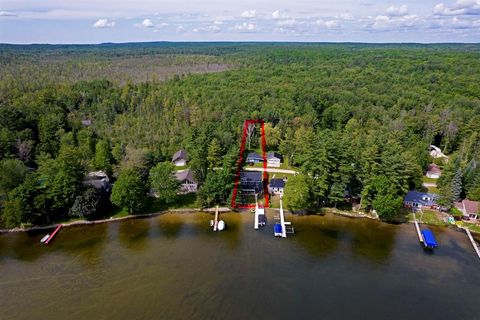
column 355, row 119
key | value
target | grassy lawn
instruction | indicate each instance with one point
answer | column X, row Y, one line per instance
column 429, row 217
column 432, row 190
column 474, row 227
column 275, row 202
column 429, row 180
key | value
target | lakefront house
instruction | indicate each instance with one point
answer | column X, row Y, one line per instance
column 276, row 186
column 420, row 200
column 188, row 183
column 470, row 209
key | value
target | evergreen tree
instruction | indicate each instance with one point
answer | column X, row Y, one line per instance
column 103, row 156
column 214, row 156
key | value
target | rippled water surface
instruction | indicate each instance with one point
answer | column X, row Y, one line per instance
column 174, row 267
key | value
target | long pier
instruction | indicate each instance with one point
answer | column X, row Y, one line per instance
column 474, row 244
column 215, row 220
column 420, row 237
column 53, row 234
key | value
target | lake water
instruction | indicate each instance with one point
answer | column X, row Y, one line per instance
column 174, row 267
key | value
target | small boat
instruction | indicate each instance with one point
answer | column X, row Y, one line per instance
column 429, row 240
column 44, row 238
column 221, row 225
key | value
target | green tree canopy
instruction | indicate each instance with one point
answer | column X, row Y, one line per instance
column 129, row 191
column 163, row 182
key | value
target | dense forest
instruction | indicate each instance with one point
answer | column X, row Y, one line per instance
column 353, row 119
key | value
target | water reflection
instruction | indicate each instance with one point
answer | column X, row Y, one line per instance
column 170, row 225
column 373, row 241
column 134, row 234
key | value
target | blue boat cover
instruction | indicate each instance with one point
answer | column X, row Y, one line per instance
column 429, row 239
column 277, row 228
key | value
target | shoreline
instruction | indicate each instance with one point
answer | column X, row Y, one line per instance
column 207, row 210
column 111, row 219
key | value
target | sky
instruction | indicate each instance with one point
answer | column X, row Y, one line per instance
column 98, row 21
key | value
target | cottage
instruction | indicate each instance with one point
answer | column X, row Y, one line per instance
column 98, row 180
column 436, row 152
column 421, row 200
column 433, row 171
column 469, row 209
column 276, row 186
column 274, row 159
column 188, row 183
column 254, row 157
column 251, row 181
column 180, row 158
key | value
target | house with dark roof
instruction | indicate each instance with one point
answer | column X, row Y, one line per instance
column 254, row 157
column 180, row 158
column 276, row 186
column 274, row 159
column 433, row 171
column 98, row 180
column 251, row 181
column 420, row 200
column 188, row 183
column 470, row 209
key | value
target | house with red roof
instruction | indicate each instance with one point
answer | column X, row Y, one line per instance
column 470, row 209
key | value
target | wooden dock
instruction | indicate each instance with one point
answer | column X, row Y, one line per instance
column 53, row 234
column 284, row 223
column 474, row 244
column 420, row 237
column 215, row 220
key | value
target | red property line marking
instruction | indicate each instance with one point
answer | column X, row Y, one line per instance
column 240, row 162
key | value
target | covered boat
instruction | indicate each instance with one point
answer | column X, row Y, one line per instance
column 429, row 239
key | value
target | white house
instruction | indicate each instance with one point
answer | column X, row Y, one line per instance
column 276, row 186
column 433, row 171
column 180, row 158
column 274, row 159
column 188, row 183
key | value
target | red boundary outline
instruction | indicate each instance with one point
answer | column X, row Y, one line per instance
column 240, row 161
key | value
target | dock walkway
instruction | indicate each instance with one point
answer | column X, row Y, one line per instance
column 474, row 244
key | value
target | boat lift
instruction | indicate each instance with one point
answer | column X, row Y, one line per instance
column 260, row 219
column 283, row 228
column 425, row 236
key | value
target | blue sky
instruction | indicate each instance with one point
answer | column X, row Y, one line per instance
column 96, row 21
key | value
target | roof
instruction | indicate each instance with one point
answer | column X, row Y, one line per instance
column 423, row 198
column 277, row 183
column 468, row 206
column 429, row 238
column 251, row 176
column 183, row 175
column 254, row 156
column 272, row 155
column 180, row 155
column 433, row 168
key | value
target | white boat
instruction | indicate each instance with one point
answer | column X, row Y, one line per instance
column 221, row 225
column 44, row 238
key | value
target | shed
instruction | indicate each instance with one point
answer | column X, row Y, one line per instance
column 180, row 158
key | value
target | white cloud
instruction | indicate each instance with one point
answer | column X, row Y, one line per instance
column 218, row 22
column 386, row 23
column 245, row 27
column 213, row 28
column 276, row 14
column 249, row 14
column 163, row 24
column 287, row 23
column 104, row 23
column 7, row 14
column 146, row 23
column 180, row 29
column 329, row 24
column 393, row 11
column 346, row 16
column 461, row 7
